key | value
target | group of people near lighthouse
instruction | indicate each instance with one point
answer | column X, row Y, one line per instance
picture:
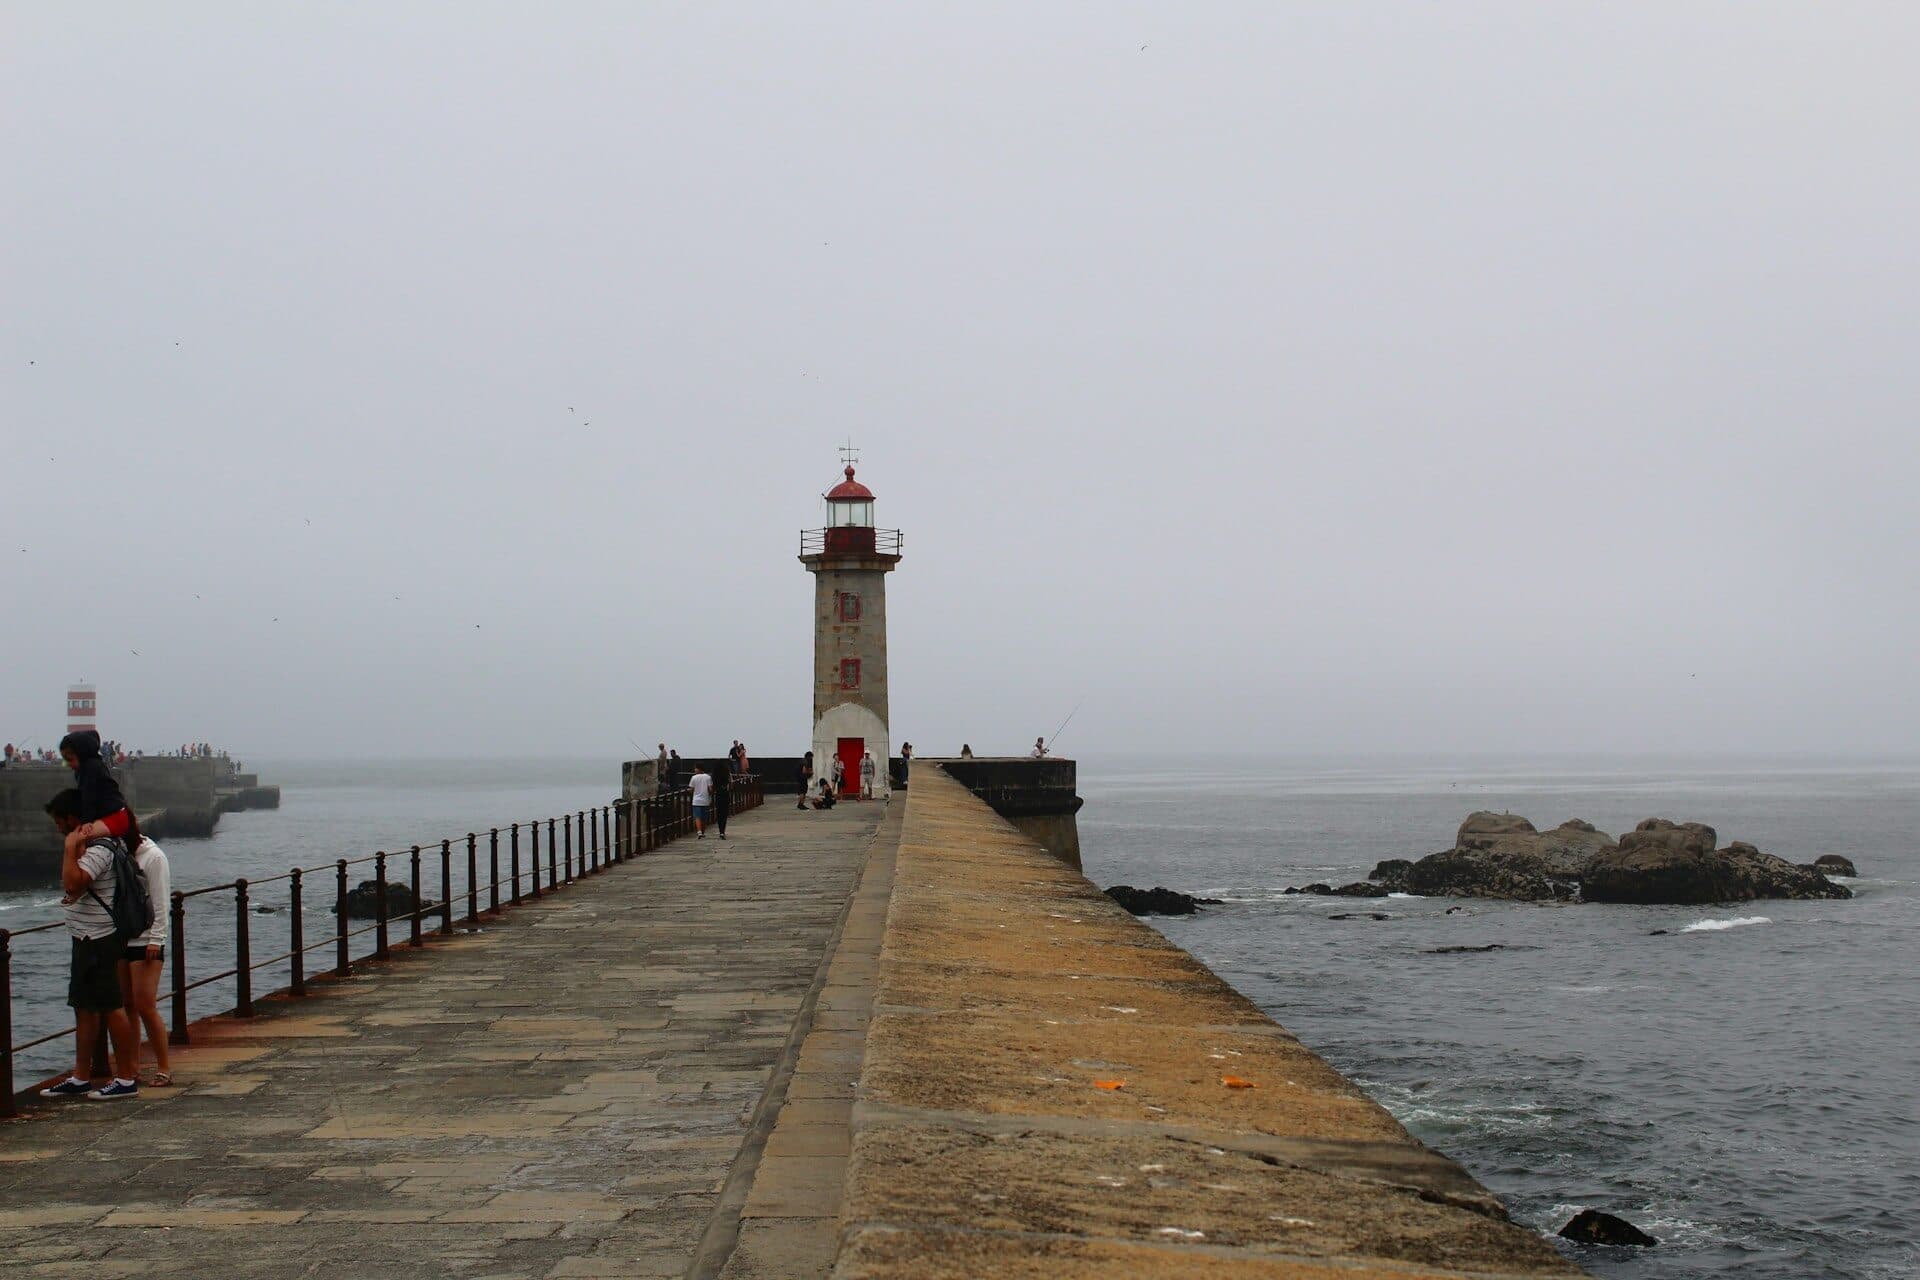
column 114, row 888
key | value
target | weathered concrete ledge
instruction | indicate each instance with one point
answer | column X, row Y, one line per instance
column 1050, row 1088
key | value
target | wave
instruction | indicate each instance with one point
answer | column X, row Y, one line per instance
column 1708, row 926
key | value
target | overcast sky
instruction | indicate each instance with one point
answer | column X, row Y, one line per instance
column 455, row 379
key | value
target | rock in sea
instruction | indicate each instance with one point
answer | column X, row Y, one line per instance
column 1590, row 1226
column 1832, row 864
column 363, row 902
column 1156, row 901
column 1662, row 861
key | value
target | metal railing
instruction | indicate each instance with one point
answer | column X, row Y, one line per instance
column 577, row 845
column 850, row 540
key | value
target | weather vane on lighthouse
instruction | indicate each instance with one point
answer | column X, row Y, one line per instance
column 849, row 454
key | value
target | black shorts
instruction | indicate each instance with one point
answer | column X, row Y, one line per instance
column 137, row 954
column 93, row 986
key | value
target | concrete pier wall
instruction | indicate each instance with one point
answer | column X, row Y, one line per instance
column 1040, row 797
column 1051, row 1088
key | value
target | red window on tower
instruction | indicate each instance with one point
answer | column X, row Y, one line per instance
column 849, row 673
column 849, row 607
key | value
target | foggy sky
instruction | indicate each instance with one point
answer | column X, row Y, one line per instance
column 1401, row 377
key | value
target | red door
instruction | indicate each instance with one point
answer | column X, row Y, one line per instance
column 848, row 752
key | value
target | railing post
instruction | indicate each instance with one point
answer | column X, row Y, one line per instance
column 551, row 855
column 606, row 834
column 567, row 862
column 534, row 827
column 473, row 881
column 515, row 854
column 413, row 883
column 242, row 951
column 446, row 886
column 297, row 936
column 7, row 1110
column 177, row 939
column 342, row 964
column 380, row 914
column 493, row 871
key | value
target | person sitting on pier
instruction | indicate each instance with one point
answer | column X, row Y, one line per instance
column 826, row 794
column 806, row 777
column 93, row 981
column 103, row 810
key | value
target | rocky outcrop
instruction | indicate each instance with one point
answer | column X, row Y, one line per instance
column 1832, row 864
column 1156, row 901
column 1762, row 875
column 1502, row 855
column 363, row 901
column 1590, row 1226
column 1661, row 861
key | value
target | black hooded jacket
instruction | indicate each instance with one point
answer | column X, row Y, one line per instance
column 99, row 794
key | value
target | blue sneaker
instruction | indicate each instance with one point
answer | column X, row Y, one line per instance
column 117, row 1089
column 68, row 1088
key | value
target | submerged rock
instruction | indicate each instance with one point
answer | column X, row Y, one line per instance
column 1590, row 1226
column 1157, row 901
column 363, row 901
column 1391, row 874
column 1832, row 864
column 1358, row 889
column 1454, row 951
column 1361, row 915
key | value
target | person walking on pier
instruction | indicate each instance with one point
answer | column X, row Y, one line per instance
column 142, row 961
column 838, row 773
column 93, row 981
column 906, row 761
column 867, row 771
column 722, row 796
column 702, row 785
column 806, row 777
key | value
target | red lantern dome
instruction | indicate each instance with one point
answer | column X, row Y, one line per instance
column 849, row 490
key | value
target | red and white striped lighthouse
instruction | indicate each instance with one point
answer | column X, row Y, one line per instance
column 81, row 707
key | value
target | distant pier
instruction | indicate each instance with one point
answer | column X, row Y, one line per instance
column 174, row 796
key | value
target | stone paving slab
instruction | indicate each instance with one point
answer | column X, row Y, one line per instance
column 563, row 1093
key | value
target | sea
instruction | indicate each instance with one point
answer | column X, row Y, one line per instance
column 1744, row 1086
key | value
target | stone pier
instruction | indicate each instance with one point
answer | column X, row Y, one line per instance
column 889, row 1041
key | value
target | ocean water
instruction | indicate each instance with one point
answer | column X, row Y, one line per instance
column 1746, row 1087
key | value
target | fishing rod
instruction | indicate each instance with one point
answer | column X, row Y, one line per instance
column 1064, row 723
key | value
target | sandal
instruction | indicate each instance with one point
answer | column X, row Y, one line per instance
column 162, row 1080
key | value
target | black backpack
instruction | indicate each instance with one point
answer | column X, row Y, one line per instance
column 132, row 910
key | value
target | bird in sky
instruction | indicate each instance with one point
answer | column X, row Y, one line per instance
column 134, row 652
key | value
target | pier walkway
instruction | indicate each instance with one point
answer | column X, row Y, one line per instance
column 648, row 1074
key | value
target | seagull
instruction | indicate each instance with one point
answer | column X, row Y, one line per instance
column 1143, row 48
column 134, row 652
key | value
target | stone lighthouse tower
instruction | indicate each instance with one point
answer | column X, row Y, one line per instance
column 850, row 560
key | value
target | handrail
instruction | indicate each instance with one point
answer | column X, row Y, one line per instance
column 594, row 840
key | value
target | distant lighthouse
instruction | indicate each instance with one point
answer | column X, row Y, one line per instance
column 850, row 560
column 81, row 702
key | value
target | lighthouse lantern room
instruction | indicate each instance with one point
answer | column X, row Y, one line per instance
column 850, row 559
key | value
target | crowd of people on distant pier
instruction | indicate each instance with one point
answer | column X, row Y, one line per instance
column 113, row 753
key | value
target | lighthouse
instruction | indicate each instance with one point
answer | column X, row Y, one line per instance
column 850, row 560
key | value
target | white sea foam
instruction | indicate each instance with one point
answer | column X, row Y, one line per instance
column 1708, row 926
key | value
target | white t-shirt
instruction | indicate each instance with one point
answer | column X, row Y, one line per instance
column 152, row 861
column 702, row 788
column 85, row 917
column 866, row 767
